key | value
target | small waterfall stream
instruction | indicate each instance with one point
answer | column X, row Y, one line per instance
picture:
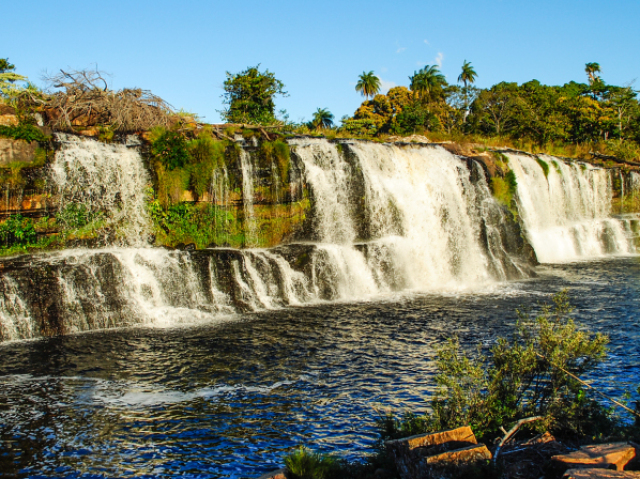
column 383, row 219
column 103, row 178
column 567, row 213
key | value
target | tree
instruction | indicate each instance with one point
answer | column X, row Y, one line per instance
column 322, row 118
column 368, row 84
column 8, row 77
column 592, row 70
column 249, row 96
column 427, row 81
column 468, row 74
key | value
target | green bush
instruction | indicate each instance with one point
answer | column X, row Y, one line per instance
column 17, row 231
column 75, row 216
column 305, row 464
column 521, row 377
column 23, row 131
column 170, row 147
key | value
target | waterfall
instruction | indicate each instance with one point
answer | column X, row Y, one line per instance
column 391, row 218
column 246, row 163
column 383, row 219
column 102, row 179
column 567, row 213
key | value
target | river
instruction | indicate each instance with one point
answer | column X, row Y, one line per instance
column 230, row 398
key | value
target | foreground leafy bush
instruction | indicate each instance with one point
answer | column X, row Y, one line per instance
column 520, row 377
column 305, row 464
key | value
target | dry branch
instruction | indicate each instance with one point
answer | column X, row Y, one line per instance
column 82, row 98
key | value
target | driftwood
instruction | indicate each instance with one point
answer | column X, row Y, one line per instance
column 508, row 435
column 82, row 98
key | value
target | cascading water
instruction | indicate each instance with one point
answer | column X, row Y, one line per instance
column 103, row 179
column 383, row 219
column 567, row 212
column 391, row 218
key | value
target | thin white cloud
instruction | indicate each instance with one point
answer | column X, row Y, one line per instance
column 400, row 50
column 385, row 86
column 439, row 59
column 427, row 42
column 384, row 69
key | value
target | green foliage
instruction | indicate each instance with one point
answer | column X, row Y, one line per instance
column 277, row 153
column 504, row 189
column 17, row 230
column 22, row 131
column 322, row 118
column 8, row 78
column 428, row 83
column 305, row 464
column 205, row 155
column 522, row 376
column 624, row 150
column 544, row 165
column 170, row 147
column 249, row 96
column 76, row 215
column 368, row 84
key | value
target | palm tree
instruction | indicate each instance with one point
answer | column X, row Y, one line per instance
column 368, row 84
column 592, row 70
column 425, row 81
column 468, row 74
column 322, row 118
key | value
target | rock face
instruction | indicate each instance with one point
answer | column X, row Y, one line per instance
column 605, row 456
column 16, row 151
column 422, row 456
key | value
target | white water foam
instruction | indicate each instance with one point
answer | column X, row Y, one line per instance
column 567, row 214
column 103, row 178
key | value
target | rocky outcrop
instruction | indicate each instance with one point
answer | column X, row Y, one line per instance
column 16, row 151
column 423, row 456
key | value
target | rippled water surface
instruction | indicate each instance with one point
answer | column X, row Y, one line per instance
column 229, row 400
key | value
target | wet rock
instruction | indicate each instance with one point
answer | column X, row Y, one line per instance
column 16, row 151
column 605, row 456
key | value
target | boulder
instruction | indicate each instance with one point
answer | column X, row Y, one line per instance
column 605, row 456
column 419, row 456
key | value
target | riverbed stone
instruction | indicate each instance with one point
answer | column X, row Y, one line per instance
column 591, row 473
column 416, row 456
column 605, row 456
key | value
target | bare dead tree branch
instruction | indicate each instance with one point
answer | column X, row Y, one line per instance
column 82, row 98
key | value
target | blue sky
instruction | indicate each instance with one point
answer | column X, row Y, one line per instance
column 181, row 50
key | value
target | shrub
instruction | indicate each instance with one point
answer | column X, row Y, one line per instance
column 17, row 230
column 23, row 131
column 305, row 464
column 170, row 147
column 520, row 377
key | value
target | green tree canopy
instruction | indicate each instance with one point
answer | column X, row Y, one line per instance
column 468, row 74
column 322, row 118
column 249, row 96
column 368, row 84
column 428, row 82
column 8, row 77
